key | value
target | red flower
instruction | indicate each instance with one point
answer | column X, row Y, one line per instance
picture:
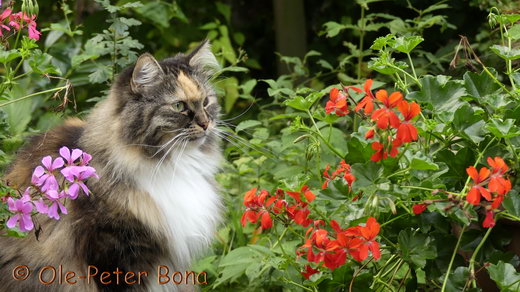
column 343, row 170
column 478, row 190
column 380, row 154
column 337, row 103
column 498, row 165
column 499, row 185
column 309, row 272
column 368, row 234
column 406, row 131
column 488, row 221
column 370, row 134
column 419, row 208
column 385, row 116
column 257, row 208
column 266, row 221
column 366, row 103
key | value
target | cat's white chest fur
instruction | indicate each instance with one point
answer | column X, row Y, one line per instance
column 183, row 190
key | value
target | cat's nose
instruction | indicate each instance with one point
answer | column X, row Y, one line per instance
column 203, row 124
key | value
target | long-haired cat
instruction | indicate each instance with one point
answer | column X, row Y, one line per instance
column 155, row 203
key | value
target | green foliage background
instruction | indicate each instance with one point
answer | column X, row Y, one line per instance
column 265, row 105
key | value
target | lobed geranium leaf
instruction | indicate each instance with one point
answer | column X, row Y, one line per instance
column 416, row 247
column 442, row 94
column 407, row 43
column 505, row 276
column 480, row 85
column 505, row 52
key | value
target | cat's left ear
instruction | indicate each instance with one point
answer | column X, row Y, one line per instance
column 203, row 59
column 147, row 72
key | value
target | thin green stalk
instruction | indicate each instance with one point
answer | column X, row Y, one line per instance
column 361, row 40
column 33, row 94
column 394, row 219
column 298, row 285
column 448, row 272
column 402, row 171
column 332, row 148
column 474, row 255
column 280, row 238
column 406, row 73
column 411, row 65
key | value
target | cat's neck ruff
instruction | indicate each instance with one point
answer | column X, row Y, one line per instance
column 183, row 189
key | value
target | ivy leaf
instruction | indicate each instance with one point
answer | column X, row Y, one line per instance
column 505, row 276
column 416, row 247
column 407, row 44
column 441, row 93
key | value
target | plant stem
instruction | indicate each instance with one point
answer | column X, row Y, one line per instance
column 411, row 65
column 33, row 94
column 453, row 258
column 332, row 148
column 474, row 255
column 361, row 39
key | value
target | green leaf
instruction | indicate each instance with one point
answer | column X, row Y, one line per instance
column 514, row 32
column 382, row 42
column 303, row 104
column 480, row 85
column 366, row 175
column 423, row 164
column 246, row 125
column 506, row 53
column 503, row 129
column 457, row 281
column 416, row 247
column 8, row 56
column 512, row 203
column 225, row 10
column 230, row 87
column 101, row 74
column 407, row 44
column 158, row 12
column 333, row 28
column 443, row 94
column 505, row 276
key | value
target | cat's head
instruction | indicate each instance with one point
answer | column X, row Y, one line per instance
column 169, row 103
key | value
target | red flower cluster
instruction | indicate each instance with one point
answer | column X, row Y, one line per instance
column 18, row 21
column 332, row 248
column 343, row 170
column 388, row 124
column 337, row 103
column 262, row 206
column 497, row 187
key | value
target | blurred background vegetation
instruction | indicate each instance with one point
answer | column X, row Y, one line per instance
column 269, row 51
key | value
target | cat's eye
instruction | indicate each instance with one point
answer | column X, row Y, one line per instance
column 206, row 101
column 179, row 106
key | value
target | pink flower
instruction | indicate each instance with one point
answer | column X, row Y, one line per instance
column 55, row 197
column 22, row 209
column 76, row 175
column 69, row 157
column 43, row 177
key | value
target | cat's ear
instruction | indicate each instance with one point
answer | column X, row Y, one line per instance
column 147, row 72
column 203, row 59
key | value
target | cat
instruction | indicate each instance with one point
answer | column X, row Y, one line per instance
column 156, row 151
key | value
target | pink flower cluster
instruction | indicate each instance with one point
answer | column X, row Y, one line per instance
column 55, row 181
column 18, row 21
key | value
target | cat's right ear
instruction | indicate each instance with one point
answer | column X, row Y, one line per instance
column 147, row 72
